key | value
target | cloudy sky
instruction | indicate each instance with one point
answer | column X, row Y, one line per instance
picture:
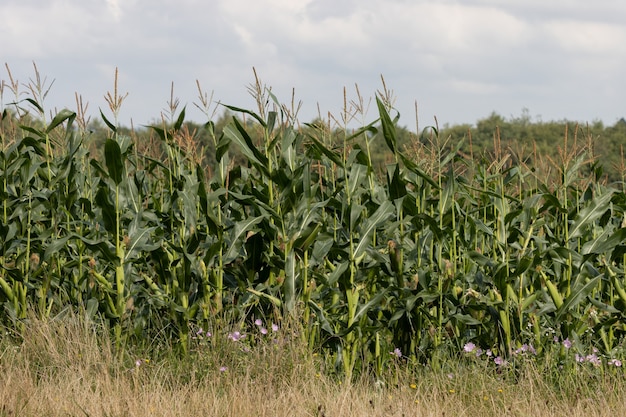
column 459, row 60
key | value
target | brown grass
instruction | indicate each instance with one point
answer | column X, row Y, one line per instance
column 65, row 367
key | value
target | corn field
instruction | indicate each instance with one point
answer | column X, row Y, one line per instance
column 437, row 251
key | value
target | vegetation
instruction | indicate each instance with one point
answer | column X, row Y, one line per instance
column 443, row 252
column 66, row 367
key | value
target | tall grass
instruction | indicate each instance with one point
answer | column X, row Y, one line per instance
column 66, row 366
column 432, row 254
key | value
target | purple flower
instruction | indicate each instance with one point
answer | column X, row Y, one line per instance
column 469, row 347
column 593, row 358
column 396, row 352
column 615, row 362
column 263, row 330
column 525, row 348
column 579, row 358
column 258, row 322
column 499, row 361
column 567, row 343
column 223, row 369
column 479, row 352
column 274, row 327
column 236, row 336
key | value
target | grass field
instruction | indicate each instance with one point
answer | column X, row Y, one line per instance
column 65, row 367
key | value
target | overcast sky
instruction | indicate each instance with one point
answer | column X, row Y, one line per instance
column 459, row 60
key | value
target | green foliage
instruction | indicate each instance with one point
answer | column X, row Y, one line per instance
column 423, row 253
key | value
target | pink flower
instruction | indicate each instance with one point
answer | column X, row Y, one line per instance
column 615, row 362
column 396, row 352
column 593, row 358
column 236, row 336
column 469, row 347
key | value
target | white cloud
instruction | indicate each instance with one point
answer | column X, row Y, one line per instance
column 444, row 53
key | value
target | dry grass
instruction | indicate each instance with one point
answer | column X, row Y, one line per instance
column 66, row 367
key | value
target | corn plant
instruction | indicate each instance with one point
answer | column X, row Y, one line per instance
column 409, row 263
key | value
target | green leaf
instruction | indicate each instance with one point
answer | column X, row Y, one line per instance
column 376, row 219
column 238, row 236
column 60, row 117
column 591, row 213
column 240, row 110
column 333, row 156
column 371, row 303
column 35, row 104
column 603, row 244
column 389, row 129
column 241, row 137
column 414, row 168
column 109, row 124
column 271, row 121
column 272, row 299
column 33, row 143
column 109, row 215
column 289, row 286
column 181, row 118
column 113, row 159
column 577, row 294
column 395, row 184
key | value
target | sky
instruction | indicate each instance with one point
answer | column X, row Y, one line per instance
column 456, row 61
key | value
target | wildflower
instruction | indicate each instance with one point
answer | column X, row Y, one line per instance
column 274, row 327
column 223, row 369
column 525, row 348
column 469, row 347
column 138, row 363
column 567, row 343
column 615, row 362
column 263, row 331
column 258, row 322
column 413, row 386
column 579, row 358
column 479, row 352
column 499, row 361
column 593, row 359
column 396, row 352
column 489, row 353
column 236, row 336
